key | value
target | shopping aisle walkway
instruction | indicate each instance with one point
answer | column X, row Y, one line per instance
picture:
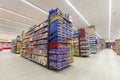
column 102, row 66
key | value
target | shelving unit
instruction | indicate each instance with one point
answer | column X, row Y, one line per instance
column 81, row 43
column 50, row 43
column 92, row 43
column 35, row 42
column 60, row 40
column 84, row 42
column 39, row 43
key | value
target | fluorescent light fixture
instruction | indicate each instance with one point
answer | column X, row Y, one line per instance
column 110, row 9
column 70, row 4
column 14, row 21
column 98, row 34
column 19, row 14
column 39, row 9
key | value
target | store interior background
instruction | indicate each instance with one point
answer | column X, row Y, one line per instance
column 17, row 16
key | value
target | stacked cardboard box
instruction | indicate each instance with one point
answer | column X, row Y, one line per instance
column 103, row 45
column 117, row 46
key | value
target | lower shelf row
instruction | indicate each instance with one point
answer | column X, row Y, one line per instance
column 52, row 64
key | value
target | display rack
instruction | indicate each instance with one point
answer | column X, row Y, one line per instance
column 50, row 43
column 81, row 42
column 60, row 40
column 39, row 43
column 84, row 42
column 35, row 42
column 92, row 43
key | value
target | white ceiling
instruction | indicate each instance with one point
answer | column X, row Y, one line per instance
column 94, row 11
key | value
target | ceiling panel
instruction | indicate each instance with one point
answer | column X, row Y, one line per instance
column 115, row 27
column 14, row 25
column 20, row 7
column 10, row 16
column 94, row 11
column 46, row 5
column 5, row 28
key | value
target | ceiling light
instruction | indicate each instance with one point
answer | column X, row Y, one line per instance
column 70, row 4
column 110, row 8
column 39, row 9
column 14, row 21
column 18, row 14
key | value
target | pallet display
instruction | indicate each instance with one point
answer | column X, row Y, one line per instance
column 92, row 43
column 50, row 43
column 60, row 40
column 84, row 42
column 76, row 43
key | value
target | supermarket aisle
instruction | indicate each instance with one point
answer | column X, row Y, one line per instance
column 103, row 66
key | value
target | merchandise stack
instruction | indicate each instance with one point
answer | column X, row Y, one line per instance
column 76, row 43
column 60, row 40
column 50, row 43
column 84, row 42
column 117, row 46
column 92, row 43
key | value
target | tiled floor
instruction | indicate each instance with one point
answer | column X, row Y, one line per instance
column 102, row 66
